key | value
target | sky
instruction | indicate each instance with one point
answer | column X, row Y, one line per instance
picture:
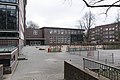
column 65, row 14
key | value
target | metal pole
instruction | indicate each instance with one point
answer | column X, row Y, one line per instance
column 105, row 61
column 98, row 56
column 79, row 51
column 112, row 58
column 84, row 63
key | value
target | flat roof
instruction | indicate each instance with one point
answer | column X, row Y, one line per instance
column 61, row 28
column 36, row 38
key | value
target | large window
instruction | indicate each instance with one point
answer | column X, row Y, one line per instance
column 11, row 1
column 7, row 34
column 5, row 62
column 8, row 17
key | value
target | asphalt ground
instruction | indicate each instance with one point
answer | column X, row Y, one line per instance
column 42, row 65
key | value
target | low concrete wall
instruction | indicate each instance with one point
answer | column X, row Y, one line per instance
column 72, row 72
column 76, row 72
column 1, row 72
column 14, row 56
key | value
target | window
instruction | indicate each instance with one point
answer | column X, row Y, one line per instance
column 12, row 1
column 55, row 31
column 78, row 32
column 7, row 34
column 66, row 31
column 111, row 40
column 8, row 17
column 11, row 17
column 58, row 31
column 62, row 31
column 113, row 28
column 69, row 32
column 93, row 31
column 116, row 29
column 35, row 32
column 51, row 31
column 111, row 32
column 92, row 38
column 110, row 28
column 106, row 29
column 75, row 32
column 111, row 36
column 72, row 32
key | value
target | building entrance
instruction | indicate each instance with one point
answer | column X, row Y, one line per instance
column 35, row 43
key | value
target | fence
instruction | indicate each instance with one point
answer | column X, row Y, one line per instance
column 105, row 70
column 54, row 49
column 81, row 48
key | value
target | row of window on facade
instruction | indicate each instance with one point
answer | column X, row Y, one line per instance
column 8, row 34
column 105, row 29
column 106, row 40
column 67, row 42
column 59, row 39
column 107, row 36
column 104, row 33
column 109, row 40
column 54, row 31
column 11, row 1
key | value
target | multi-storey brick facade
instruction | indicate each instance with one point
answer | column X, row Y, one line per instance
column 12, row 27
column 105, row 33
column 59, row 35
column 52, row 35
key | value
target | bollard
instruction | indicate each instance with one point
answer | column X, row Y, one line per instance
column 48, row 49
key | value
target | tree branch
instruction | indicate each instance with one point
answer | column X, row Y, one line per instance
column 97, row 2
column 93, row 6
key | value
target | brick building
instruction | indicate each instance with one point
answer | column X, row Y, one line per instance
column 109, row 33
column 12, row 26
column 52, row 35
column 34, row 37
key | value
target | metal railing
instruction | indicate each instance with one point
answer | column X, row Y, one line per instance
column 105, row 70
column 72, row 49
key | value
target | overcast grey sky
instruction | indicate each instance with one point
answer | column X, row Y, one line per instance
column 57, row 13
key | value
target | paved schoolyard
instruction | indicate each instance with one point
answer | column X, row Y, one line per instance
column 42, row 65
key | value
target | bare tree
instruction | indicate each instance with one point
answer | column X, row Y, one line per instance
column 31, row 24
column 87, row 21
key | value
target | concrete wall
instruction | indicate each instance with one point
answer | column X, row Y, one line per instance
column 71, row 72
column 13, row 57
column 1, row 72
column 15, row 62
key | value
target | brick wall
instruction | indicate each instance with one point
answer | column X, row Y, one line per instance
column 71, row 72
column 30, row 33
column 1, row 72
